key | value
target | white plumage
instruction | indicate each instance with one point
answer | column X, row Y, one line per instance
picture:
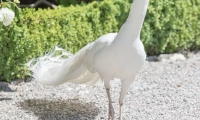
column 114, row 55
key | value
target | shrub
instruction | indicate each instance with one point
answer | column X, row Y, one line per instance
column 34, row 32
column 73, row 2
column 169, row 27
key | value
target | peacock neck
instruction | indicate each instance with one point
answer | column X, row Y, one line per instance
column 130, row 30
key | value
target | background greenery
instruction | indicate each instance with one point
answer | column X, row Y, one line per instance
column 73, row 2
column 169, row 26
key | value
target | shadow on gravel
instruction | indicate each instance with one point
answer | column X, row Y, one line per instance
column 3, row 99
column 72, row 109
column 6, row 88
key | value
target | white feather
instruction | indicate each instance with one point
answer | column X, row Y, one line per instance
column 59, row 66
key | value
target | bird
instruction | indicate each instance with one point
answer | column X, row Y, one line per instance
column 114, row 55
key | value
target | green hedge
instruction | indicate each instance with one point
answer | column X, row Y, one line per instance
column 73, row 2
column 169, row 27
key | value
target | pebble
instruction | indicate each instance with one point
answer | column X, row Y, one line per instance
column 165, row 90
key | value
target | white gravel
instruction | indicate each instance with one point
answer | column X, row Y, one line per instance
column 162, row 91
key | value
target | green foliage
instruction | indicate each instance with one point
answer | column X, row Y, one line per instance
column 169, row 27
column 34, row 32
column 67, row 2
column 73, row 2
column 11, row 4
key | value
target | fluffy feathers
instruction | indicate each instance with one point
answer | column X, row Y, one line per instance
column 59, row 66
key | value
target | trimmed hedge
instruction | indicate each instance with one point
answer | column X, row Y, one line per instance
column 169, row 27
column 73, row 2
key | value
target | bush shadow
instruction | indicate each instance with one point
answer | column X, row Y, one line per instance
column 4, row 99
column 5, row 87
column 72, row 109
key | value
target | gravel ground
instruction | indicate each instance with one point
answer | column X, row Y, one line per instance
column 167, row 90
